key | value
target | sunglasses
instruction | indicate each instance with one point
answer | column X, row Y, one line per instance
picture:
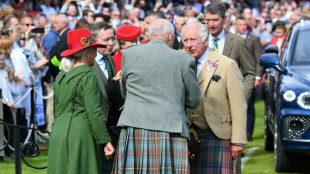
column 28, row 25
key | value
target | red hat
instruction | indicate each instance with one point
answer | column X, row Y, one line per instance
column 128, row 32
column 78, row 40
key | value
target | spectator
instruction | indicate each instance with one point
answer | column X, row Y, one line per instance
column 89, row 16
column 61, row 26
column 26, row 28
column 48, row 8
column 266, row 35
column 280, row 29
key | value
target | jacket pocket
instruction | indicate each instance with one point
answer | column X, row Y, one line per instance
column 226, row 118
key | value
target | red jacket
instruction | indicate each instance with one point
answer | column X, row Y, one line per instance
column 117, row 60
column 274, row 40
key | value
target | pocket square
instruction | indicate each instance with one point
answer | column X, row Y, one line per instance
column 216, row 78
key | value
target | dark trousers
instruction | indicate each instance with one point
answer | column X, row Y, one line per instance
column 251, row 114
column 21, row 121
column 8, row 131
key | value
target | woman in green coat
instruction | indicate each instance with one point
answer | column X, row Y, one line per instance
column 79, row 126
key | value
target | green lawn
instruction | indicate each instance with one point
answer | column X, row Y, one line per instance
column 260, row 162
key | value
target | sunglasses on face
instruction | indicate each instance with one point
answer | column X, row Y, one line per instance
column 28, row 25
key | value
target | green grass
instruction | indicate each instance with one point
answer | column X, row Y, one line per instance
column 8, row 166
column 260, row 163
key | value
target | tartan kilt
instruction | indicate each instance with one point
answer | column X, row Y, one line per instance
column 151, row 152
column 214, row 155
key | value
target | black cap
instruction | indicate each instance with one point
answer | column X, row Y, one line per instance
column 268, row 20
column 276, row 24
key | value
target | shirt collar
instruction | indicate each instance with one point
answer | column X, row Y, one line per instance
column 62, row 31
column 244, row 35
column 221, row 36
column 204, row 57
column 98, row 57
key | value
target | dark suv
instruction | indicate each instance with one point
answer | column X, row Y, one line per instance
column 287, row 99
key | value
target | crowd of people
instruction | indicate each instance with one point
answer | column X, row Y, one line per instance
column 139, row 77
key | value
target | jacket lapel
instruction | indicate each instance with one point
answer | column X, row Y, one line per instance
column 228, row 43
column 207, row 72
column 103, row 82
column 112, row 65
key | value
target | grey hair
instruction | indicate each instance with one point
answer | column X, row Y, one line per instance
column 203, row 32
column 64, row 19
column 95, row 28
column 216, row 8
column 163, row 29
column 67, row 63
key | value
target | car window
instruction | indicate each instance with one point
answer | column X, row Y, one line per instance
column 283, row 52
column 302, row 48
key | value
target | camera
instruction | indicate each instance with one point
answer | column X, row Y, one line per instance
column 38, row 30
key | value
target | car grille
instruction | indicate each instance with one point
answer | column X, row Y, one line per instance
column 291, row 131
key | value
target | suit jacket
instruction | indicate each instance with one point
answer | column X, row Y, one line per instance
column 157, row 84
column 236, row 49
column 104, row 86
column 256, row 50
column 60, row 46
column 223, row 105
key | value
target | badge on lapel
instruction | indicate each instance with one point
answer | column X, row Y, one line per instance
column 216, row 78
column 211, row 64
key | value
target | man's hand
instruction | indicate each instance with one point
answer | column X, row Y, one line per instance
column 236, row 150
column 108, row 150
column 257, row 83
column 118, row 77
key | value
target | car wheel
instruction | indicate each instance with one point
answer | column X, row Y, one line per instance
column 284, row 161
column 268, row 137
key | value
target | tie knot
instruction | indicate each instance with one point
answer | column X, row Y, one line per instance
column 215, row 38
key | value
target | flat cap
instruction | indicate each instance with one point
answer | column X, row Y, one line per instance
column 128, row 32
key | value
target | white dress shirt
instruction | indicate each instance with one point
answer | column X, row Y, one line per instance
column 4, row 85
column 220, row 42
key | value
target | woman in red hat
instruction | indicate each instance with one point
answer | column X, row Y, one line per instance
column 126, row 35
column 79, row 125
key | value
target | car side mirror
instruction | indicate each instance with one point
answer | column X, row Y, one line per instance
column 272, row 49
column 270, row 60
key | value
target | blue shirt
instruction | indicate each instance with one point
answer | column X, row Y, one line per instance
column 49, row 40
column 99, row 59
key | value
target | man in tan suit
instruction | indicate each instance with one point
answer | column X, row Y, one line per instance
column 220, row 119
column 232, row 46
column 256, row 50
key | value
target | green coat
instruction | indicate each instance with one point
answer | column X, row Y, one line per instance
column 79, row 126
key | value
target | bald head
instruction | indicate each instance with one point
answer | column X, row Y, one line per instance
column 162, row 29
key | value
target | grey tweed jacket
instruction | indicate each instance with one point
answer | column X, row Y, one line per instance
column 158, row 83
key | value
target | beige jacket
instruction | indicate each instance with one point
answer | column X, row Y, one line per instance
column 223, row 103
